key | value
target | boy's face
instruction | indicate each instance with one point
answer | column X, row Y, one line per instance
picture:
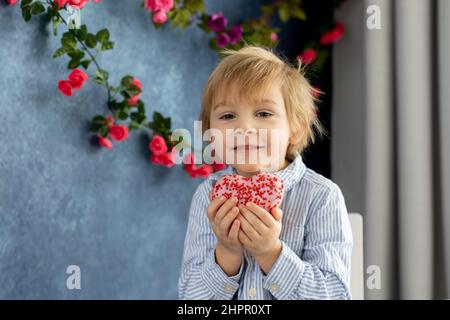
column 254, row 135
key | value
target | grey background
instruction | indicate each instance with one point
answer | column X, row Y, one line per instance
column 65, row 201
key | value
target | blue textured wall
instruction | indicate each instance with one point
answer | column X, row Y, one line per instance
column 63, row 200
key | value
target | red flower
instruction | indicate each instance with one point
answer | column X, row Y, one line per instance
column 166, row 159
column 158, row 145
column 65, row 87
column 11, row 2
column 333, row 35
column 135, row 84
column 189, row 162
column 60, row 3
column 219, row 166
column 104, row 142
column 308, row 56
column 204, row 170
column 77, row 78
column 118, row 132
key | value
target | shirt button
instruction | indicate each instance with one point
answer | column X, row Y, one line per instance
column 229, row 288
column 252, row 292
column 274, row 287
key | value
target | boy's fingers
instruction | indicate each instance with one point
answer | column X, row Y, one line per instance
column 253, row 219
column 234, row 230
column 243, row 238
column 262, row 214
column 223, row 210
column 229, row 218
column 213, row 206
column 277, row 214
column 248, row 229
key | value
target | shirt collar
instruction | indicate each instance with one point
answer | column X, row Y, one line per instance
column 290, row 175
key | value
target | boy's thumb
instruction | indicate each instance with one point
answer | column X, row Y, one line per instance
column 277, row 213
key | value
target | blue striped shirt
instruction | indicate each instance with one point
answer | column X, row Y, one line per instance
column 316, row 238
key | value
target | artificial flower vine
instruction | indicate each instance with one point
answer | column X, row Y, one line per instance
column 126, row 109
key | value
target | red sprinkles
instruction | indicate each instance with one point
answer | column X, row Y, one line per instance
column 264, row 189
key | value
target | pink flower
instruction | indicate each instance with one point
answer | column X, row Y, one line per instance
column 135, row 84
column 308, row 56
column 217, row 22
column 11, row 2
column 273, row 37
column 157, row 5
column 235, row 34
column 65, row 87
column 158, row 145
column 77, row 78
column 104, row 142
column 333, row 35
column 118, row 132
column 160, row 17
column 222, row 40
column 77, row 4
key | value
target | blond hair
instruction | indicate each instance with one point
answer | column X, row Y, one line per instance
column 254, row 69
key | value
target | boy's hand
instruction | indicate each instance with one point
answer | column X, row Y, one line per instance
column 260, row 232
column 222, row 214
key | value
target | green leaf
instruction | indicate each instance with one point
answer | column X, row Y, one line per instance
column 56, row 21
column 167, row 123
column 107, row 45
column 133, row 125
column 158, row 117
column 138, row 117
column 85, row 63
column 102, row 35
column 74, row 63
column 122, row 115
column 82, row 32
column 37, row 8
column 59, row 52
column 26, row 14
column 98, row 119
column 126, row 81
column 76, row 54
column 284, row 13
column 298, row 13
column 91, row 40
column 68, row 41
column 25, row 3
column 101, row 76
column 104, row 130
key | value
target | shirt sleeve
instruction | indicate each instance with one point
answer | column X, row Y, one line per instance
column 201, row 277
column 323, row 270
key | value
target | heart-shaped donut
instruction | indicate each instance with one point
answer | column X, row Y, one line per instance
column 264, row 189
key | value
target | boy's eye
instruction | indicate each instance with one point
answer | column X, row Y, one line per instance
column 263, row 114
column 227, row 116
